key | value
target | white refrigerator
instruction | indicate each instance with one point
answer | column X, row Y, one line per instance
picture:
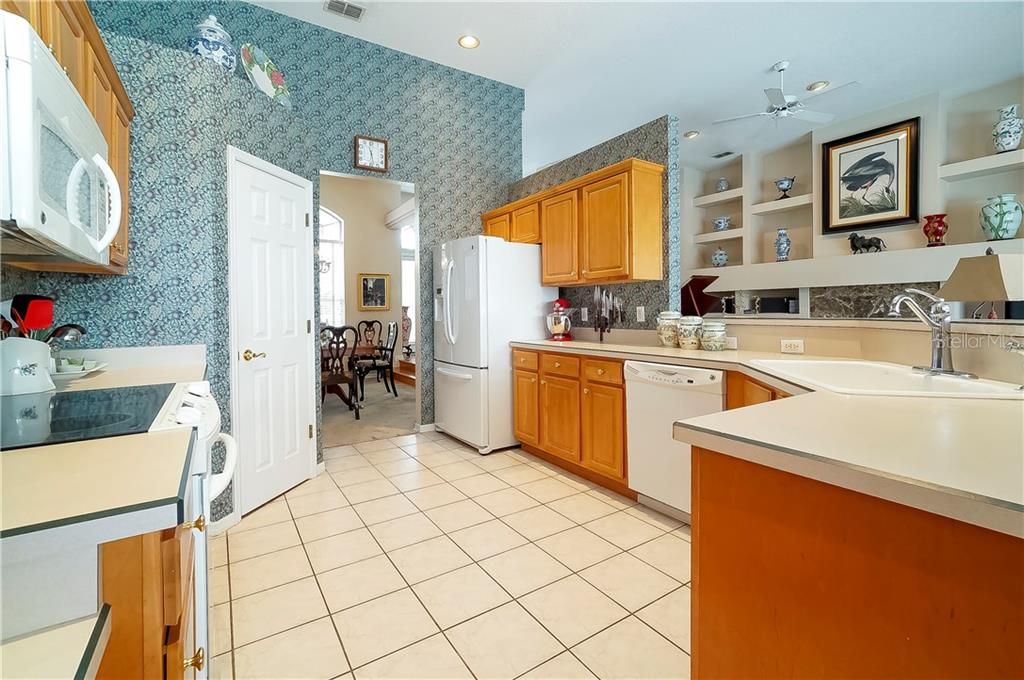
column 487, row 293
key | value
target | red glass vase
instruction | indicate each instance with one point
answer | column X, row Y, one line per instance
column 935, row 228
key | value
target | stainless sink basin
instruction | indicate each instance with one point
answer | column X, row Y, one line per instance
column 882, row 379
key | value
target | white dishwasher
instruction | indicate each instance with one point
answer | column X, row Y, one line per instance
column 657, row 395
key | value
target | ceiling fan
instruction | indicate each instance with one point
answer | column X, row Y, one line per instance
column 782, row 105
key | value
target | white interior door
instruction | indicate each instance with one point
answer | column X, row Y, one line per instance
column 272, row 312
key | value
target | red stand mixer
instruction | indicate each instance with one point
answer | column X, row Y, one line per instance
column 558, row 321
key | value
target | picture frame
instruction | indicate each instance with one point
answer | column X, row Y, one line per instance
column 370, row 153
column 374, row 292
column 871, row 180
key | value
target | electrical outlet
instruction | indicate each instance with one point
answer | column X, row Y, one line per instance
column 731, row 342
column 640, row 315
column 793, row 346
column 584, row 314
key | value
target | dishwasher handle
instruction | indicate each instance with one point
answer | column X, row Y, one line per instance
column 679, row 377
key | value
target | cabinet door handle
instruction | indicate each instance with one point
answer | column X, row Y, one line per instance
column 600, row 371
column 197, row 661
column 199, row 524
column 533, row 380
column 543, row 382
column 586, row 390
column 558, row 364
column 585, row 272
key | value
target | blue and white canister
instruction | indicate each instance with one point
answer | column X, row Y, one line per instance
column 782, row 245
column 212, row 42
column 719, row 258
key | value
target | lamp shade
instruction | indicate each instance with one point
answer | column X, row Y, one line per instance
column 996, row 278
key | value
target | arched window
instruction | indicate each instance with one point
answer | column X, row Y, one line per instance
column 332, row 268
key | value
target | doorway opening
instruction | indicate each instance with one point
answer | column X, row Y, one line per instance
column 368, row 263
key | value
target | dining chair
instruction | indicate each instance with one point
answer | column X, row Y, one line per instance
column 384, row 363
column 370, row 332
column 337, row 347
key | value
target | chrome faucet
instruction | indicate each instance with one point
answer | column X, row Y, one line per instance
column 939, row 319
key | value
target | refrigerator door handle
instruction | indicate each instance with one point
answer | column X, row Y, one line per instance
column 448, row 331
column 458, row 376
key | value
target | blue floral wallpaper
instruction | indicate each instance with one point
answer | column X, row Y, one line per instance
column 657, row 141
column 455, row 135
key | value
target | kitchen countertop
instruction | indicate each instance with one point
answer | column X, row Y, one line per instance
column 960, row 458
column 137, row 375
column 73, row 650
column 53, row 486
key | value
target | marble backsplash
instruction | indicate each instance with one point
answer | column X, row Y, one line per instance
column 856, row 302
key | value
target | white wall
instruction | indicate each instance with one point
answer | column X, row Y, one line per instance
column 370, row 247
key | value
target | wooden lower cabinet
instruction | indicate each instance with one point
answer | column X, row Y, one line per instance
column 571, row 411
column 604, row 429
column 742, row 390
column 526, row 400
column 560, row 416
column 148, row 582
column 796, row 578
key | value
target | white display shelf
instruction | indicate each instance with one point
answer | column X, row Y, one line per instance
column 719, row 197
column 782, row 205
column 982, row 167
column 910, row 265
column 715, row 236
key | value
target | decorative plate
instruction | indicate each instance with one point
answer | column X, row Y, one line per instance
column 264, row 76
column 72, row 375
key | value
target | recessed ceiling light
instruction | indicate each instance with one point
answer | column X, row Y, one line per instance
column 690, row 134
column 817, row 85
column 470, row 42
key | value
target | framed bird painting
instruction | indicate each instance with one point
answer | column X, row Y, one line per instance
column 870, row 179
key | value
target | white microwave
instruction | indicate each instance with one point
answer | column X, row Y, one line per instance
column 59, row 199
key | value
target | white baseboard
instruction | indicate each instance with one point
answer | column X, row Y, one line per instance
column 321, row 468
column 429, row 427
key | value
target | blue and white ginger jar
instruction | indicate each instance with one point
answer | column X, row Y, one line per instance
column 212, row 42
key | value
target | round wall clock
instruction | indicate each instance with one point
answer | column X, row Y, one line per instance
column 371, row 154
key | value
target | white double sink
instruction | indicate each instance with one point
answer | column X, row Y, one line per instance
column 882, row 379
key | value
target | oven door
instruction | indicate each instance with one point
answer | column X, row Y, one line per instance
column 64, row 202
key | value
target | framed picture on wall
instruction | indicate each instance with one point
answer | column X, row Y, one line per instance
column 870, row 179
column 374, row 292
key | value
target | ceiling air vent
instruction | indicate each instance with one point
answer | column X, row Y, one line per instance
column 723, row 154
column 346, row 9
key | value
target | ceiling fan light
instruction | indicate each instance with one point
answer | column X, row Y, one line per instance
column 691, row 134
column 818, row 85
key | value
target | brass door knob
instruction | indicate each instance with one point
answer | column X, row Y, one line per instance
column 199, row 524
column 196, row 661
column 249, row 355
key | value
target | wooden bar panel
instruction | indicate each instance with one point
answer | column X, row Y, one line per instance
column 793, row 578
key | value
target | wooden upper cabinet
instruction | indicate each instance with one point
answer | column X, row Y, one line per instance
column 604, row 229
column 526, row 224
column 38, row 14
column 604, row 429
column 69, row 44
column 559, row 219
column 604, row 226
column 118, row 154
column 498, row 226
column 560, row 417
column 527, row 406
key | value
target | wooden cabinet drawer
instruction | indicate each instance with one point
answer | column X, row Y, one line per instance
column 601, row 370
column 523, row 360
column 560, row 364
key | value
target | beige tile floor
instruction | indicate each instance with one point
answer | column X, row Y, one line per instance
column 416, row 557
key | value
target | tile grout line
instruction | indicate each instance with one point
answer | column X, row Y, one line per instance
column 620, row 551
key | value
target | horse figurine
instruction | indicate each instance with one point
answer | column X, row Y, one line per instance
column 863, row 244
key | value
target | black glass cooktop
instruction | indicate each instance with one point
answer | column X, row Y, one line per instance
column 56, row 417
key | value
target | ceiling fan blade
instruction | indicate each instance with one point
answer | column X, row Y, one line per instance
column 775, row 97
column 735, row 118
column 813, row 116
column 829, row 90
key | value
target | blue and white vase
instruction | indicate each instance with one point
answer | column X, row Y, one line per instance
column 1001, row 217
column 212, row 42
column 721, row 223
column 719, row 258
column 782, row 245
column 1007, row 131
column 721, row 184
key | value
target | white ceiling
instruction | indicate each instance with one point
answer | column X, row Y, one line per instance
column 594, row 70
